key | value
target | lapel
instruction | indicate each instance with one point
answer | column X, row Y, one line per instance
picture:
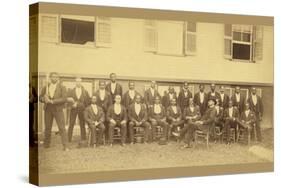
column 56, row 93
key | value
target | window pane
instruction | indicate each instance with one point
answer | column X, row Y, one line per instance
column 246, row 37
column 77, row 31
column 237, row 36
column 241, row 51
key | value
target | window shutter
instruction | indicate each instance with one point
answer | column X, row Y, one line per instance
column 33, row 29
column 190, row 38
column 228, row 41
column 49, row 28
column 150, row 36
column 103, row 32
column 257, row 43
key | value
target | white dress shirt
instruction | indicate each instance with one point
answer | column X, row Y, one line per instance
column 117, row 109
column 132, row 94
column 174, row 108
column 52, row 89
column 102, row 94
column 152, row 91
column 185, row 92
column 230, row 112
column 247, row 112
column 201, row 94
column 78, row 92
column 191, row 108
column 237, row 95
column 255, row 100
column 113, row 87
column 137, row 108
column 157, row 108
column 95, row 108
column 222, row 96
column 171, row 96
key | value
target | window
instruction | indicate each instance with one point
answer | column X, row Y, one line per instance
column 241, row 42
column 175, row 38
column 77, row 31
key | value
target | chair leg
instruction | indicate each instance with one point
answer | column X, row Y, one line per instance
column 207, row 140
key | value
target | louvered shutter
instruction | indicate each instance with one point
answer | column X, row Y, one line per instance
column 49, row 28
column 103, row 32
column 190, row 38
column 228, row 41
column 150, row 36
column 257, row 43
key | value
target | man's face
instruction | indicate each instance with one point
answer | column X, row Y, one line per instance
column 138, row 99
column 185, row 85
column 222, row 89
column 213, row 87
column 173, row 102
column 94, row 100
column 131, row 85
column 171, row 89
column 190, row 101
column 210, row 103
column 254, row 91
column 54, row 78
column 201, row 88
column 113, row 77
column 78, row 83
column 117, row 99
column 152, row 85
column 237, row 90
column 102, row 85
column 247, row 106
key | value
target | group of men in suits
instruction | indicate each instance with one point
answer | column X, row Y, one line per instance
column 179, row 115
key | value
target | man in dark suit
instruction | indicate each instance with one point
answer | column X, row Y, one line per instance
column 184, row 96
column 174, row 117
column 80, row 100
column 166, row 99
column 113, row 87
column 256, row 106
column 150, row 94
column 137, row 113
column 213, row 93
column 201, row 99
column 32, row 100
column 238, row 99
column 117, row 116
column 129, row 96
column 54, row 96
column 224, row 98
column 231, row 116
column 103, row 97
column 94, row 117
column 157, row 117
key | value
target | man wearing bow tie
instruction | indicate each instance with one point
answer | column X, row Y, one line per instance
column 238, row 99
column 256, row 106
column 184, row 96
column 150, row 94
column 94, row 116
column 103, row 97
column 174, row 117
column 201, row 99
column 129, row 96
column 213, row 93
column 138, row 118
column 166, row 100
column 231, row 116
column 80, row 100
column 223, row 98
column 54, row 97
column 113, row 87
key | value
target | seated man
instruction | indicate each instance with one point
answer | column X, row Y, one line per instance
column 94, row 117
column 219, row 121
column 204, row 124
column 157, row 117
column 247, row 120
column 117, row 116
column 231, row 115
column 191, row 115
column 174, row 116
column 138, row 117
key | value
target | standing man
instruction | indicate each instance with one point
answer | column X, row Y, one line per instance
column 138, row 118
column 113, row 87
column 103, row 97
column 238, row 100
column 166, row 100
column 256, row 106
column 201, row 99
column 129, row 96
column 32, row 100
column 150, row 95
column 54, row 97
column 184, row 96
column 213, row 93
column 80, row 100
column 231, row 117
column 174, row 117
column 224, row 98
column 157, row 117
column 117, row 116
column 94, row 116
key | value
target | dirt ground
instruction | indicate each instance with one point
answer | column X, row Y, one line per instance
column 140, row 156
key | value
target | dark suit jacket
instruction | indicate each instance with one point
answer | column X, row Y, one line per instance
column 84, row 99
column 209, row 117
column 219, row 114
column 203, row 106
column 251, row 117
column 166, row 101
column 142, row 117
column 171, row 114
column 126, row 99
column 148, row 98
column 91, row 117
column 225, row 101
column 183, row 101
column 33, row 97
column 120, row 117
column 217, row 95
column 258, row 108
column 118, row 90
column 59, row 98
column 240, row 104
column 106, row 102
column 189, row 113
column 153, row 115
column 235, row 113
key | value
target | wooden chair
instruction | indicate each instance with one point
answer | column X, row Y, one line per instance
column 138, row 134
column 117, row 133
column 90, row 135
column 159, row 131
column 203, row 135
column 243, row 134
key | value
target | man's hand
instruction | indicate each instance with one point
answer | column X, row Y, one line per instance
column 138, row 123
column 70, row 99
column 96, row 123
column 123, row 122
column 112, row 121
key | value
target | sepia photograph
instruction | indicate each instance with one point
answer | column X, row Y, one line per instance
column 118, row 93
